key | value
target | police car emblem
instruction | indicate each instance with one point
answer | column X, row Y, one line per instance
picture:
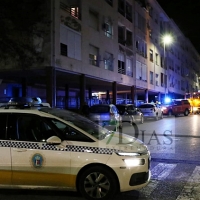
column 37, row 160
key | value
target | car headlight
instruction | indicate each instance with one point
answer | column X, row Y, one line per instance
column 195, row 108
column 134, row 162
column 127, row 154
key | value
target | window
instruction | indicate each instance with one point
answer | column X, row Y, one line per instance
column 94, row 20
column 107, row 27
column 93, row 55
column 128, row 12
column 121, row 35
column 28, row 127
column 156, row 59
column 141, row 47
column 121, row 7
column 144, row 72
column 121, row 64
column 151, row 77
column 140, row 22
column 129, row 40
column 162, row 61
column 129, row 68
column 151, row 55
column 63, row 49
column 74, row 135
column 162, row 79
column 72, row 39
column 138, row 70
column 74, row 11
column 108, row 61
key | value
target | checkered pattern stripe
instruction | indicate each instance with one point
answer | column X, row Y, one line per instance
column 69, row 148
column 96, row 150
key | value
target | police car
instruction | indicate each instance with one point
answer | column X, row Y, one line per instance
column 59, row 149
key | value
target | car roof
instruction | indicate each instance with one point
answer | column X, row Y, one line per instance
column 125, row 105
column 102, row 105
column 26, row 111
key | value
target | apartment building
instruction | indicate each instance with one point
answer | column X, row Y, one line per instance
column 103, row 51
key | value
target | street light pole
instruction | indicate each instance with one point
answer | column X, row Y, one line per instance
column 165, row 82
column 167, row 39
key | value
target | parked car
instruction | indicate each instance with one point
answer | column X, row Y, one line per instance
column 151, row 110
column 167, row 108
column 181, row 106
column 58, row 149
column 130, row 113
column 106, row 115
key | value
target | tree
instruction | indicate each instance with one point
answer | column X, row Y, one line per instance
column 24, row 24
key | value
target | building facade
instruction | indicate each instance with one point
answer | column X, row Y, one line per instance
column 108, row 51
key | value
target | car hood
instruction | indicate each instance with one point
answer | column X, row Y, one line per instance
column 123, row 142
column 114, row 142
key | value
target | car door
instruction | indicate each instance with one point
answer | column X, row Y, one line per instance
column 34, row 161
column 5, row 158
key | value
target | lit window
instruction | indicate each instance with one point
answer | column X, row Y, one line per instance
column 74, row 12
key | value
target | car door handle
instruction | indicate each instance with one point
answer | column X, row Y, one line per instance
column 19, row 149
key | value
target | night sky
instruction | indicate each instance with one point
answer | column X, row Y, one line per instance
column 186, row 14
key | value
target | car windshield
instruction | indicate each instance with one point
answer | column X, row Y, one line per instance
column 146, row 106
column 100, row 109
column 121, row 108
column 81, row 122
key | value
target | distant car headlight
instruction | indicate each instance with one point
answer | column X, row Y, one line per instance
column 195, row 108
column 134, row 162
column 164, row 108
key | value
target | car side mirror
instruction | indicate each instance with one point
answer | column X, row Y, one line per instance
column 53, row 140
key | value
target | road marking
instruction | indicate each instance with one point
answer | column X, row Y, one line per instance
column 159, row 172
column 191, row 190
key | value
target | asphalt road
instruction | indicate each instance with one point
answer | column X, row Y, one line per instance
column 175, row 166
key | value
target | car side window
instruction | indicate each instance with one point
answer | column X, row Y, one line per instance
column 27, row 127
column 3, row 121
column 69, row 133
column 74, row 135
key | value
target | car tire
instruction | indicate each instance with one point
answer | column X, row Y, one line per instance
column 97, row 182
column 132, row 121
column 186, row 113
column 156, row 117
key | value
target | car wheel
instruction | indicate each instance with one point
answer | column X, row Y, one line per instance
column 156, row 118
column 97, row 183
column 186, row 113
column 132, row 121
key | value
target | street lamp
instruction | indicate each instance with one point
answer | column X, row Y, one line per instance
column 166, row 39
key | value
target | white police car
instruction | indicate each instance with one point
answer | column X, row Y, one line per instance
column 40, row 150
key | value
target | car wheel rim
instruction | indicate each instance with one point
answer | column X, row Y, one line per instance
column 96, row 185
